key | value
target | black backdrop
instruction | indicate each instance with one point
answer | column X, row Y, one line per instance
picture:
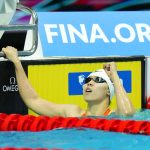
column 10, row 100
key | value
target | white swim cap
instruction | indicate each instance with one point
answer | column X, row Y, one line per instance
column 101, row 73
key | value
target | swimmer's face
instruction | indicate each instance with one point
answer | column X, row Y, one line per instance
column 94, row 90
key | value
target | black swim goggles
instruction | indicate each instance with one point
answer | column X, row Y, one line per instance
column 95, row 79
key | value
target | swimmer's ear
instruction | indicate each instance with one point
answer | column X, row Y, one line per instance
column 108, row 92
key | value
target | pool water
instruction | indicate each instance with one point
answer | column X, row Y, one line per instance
column 82, row 138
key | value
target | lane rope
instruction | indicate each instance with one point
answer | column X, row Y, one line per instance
column 17, row 122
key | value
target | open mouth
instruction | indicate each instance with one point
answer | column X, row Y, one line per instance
column 88, row 90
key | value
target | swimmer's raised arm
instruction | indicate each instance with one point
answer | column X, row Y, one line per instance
column 30, row 96
column 124, row 104
column 91, row 92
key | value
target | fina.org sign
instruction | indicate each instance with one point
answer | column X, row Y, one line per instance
column 97, row 33
column 94, row 33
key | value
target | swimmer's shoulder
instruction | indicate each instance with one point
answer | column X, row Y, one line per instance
column 71, row 110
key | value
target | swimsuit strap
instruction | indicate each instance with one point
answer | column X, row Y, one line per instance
column 84, row 114
column 106, row 113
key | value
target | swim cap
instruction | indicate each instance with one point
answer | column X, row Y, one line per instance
column 101, row 73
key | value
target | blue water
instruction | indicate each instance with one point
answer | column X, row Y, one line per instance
column 79, row 138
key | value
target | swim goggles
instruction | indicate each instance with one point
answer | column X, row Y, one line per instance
column 96, row 80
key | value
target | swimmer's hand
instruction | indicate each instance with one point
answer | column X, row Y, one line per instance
column 110, row 69
column 10, row 53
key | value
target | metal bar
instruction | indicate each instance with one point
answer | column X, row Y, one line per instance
column 21, row 27
column 17, row 27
